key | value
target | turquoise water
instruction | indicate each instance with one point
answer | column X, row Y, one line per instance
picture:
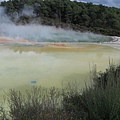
column 69, row 37
column 41, row 33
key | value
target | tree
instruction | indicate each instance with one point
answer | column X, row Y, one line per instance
column 10, row 7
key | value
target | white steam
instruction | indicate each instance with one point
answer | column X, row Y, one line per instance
column 35, row 32
column 28, row 10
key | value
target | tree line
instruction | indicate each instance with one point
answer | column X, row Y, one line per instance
column 77, row 15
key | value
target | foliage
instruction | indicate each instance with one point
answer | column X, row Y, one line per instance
column 100, row 101
column 37, row 104
column 90, row 16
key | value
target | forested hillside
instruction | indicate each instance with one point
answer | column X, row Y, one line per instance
column 65, row 13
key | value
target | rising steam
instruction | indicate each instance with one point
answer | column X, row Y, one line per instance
column 42, row 33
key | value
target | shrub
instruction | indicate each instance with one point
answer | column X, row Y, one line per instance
column 99, row 101
column 37, row 104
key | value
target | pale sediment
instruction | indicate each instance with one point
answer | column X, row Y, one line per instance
column 115, row 43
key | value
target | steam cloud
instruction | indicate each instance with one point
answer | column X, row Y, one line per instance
column 40, row 33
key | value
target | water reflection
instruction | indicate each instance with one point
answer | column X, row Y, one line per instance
column 49, row 66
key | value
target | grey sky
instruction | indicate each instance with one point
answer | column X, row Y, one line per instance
column 113, row 3
column 3, row 0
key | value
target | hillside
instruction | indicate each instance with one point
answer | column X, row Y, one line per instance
column 66, row 14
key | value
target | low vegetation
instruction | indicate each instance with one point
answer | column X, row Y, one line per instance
column 99, row 101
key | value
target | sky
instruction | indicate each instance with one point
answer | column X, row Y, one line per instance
column 112, row 3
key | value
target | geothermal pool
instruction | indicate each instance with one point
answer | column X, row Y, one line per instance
column 49, row 56
column 24, row 66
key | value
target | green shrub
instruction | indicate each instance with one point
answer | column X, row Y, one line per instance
column 99, row 101
column 37, row 104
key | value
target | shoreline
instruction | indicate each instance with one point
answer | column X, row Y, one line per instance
column 115, row 43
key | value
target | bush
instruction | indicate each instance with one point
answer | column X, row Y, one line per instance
column 37, row 104
column 100, row 101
